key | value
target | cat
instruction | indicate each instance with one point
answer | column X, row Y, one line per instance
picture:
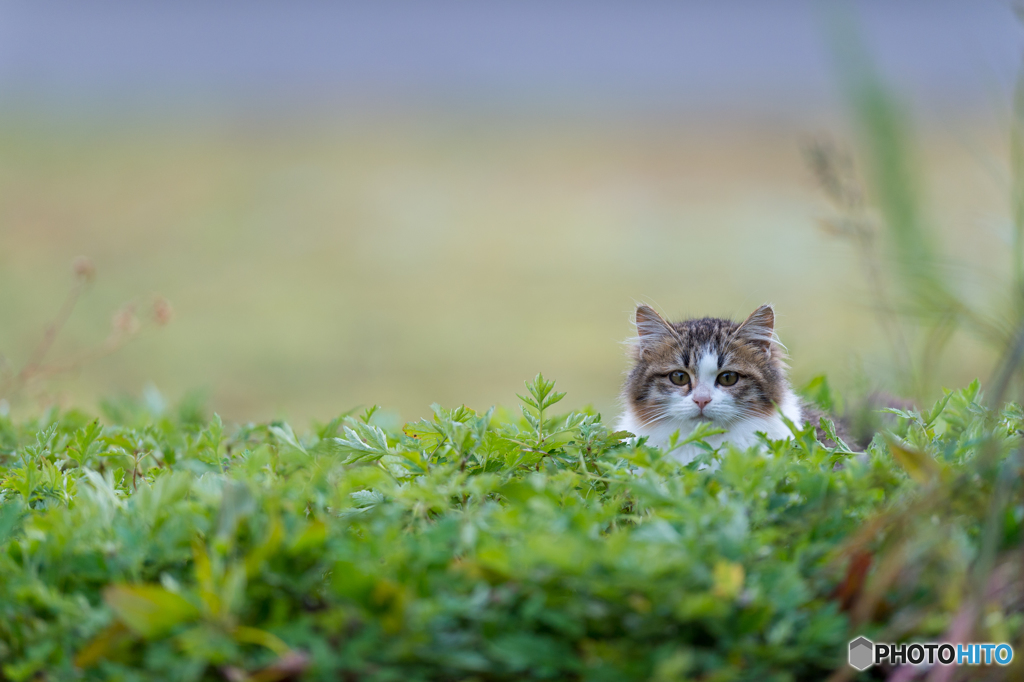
column 732, row 375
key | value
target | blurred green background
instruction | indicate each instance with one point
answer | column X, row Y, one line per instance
column 327, row 256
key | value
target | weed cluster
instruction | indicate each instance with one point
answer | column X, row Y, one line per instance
column 163, row 545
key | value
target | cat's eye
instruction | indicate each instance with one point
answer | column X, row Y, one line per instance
column 727, row 378
column 679, row 378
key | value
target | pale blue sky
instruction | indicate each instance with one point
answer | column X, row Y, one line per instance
column 759, row 56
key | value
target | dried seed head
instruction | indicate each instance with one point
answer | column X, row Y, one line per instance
column 162, row 310
column 835, row 172
column 84, row 269
column 125, row 322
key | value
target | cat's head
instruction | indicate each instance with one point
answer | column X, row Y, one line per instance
column 705, row 369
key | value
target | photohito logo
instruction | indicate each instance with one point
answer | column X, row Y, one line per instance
column 864, row 653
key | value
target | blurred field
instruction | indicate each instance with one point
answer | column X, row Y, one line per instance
column 321, row 264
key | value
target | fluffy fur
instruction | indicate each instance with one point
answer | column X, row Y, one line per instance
column 705, row 349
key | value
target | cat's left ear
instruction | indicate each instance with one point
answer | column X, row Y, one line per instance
column 759, row 329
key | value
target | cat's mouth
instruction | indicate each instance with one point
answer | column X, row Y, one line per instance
column 703, row 418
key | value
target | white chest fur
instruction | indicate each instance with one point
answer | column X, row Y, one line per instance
column 742, row 434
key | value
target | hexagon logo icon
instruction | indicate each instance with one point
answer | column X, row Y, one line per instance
column 862, row 653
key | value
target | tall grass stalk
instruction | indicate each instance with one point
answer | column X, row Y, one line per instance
column 908, row 265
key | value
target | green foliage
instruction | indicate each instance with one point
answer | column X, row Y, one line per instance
column 485, row 546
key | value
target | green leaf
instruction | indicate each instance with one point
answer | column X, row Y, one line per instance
column 938, row 408
column 11, row 515
column 84, row 444
column 427, row 433
column 919, row 465
column 149, row 610
column 818, row 391
column 285, row 434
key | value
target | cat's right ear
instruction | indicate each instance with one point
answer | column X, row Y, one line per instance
column 759, row 329
column 651, row 328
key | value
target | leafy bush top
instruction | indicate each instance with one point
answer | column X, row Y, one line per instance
column 163, row 545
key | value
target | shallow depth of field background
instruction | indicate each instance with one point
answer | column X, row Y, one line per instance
column 431, row 202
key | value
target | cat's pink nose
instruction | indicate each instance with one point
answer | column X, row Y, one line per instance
column 702, row 401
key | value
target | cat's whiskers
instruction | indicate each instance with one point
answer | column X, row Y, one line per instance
column 657, row 417
column 741, row 414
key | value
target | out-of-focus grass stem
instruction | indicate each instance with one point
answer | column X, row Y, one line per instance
column 1017, row 170
column 929, row 297
column 909, row 250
